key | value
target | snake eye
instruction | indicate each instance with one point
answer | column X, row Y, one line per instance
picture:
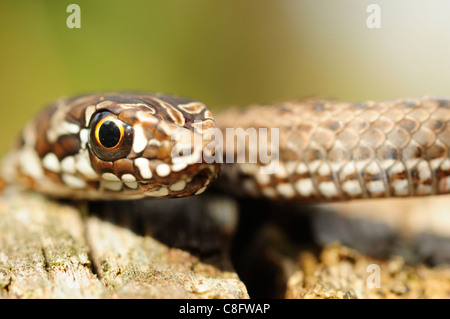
column 110, row 138
column 108, row 133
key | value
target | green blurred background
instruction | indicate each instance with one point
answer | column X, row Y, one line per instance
column 220, row 52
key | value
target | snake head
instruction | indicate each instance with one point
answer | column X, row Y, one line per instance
column 114, row 146
column 143, row 145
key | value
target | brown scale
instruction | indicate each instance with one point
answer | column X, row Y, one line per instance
column 164, row 152
column 100, row 166
column 55, row 177
column 128, row 116
column 42, row 125
column 410, row 125
column 123, row 166
column 66, row 145
column 434, row 125
column 436, row 152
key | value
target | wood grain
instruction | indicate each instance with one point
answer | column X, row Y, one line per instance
column 54, row 250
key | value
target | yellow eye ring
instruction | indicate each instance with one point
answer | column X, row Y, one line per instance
column 109, row 132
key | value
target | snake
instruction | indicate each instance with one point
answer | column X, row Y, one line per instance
column 121, row 146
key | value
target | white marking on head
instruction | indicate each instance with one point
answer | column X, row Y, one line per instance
column 145, row 117
column 51, row 162
column 178, row 167
column 71, row 128
column 110, row 177
column 143, row 166
column 140, row 140
column 132, row 185
column 30, row 163
column 155, row 142
column 195, row 157
column 84, row 137
column 178, row 186
column 128, row 178
column 163, row 170
column 88, row 114
column 173, row 113
column 201, row 190
column 73, row 181
column 193, row 107
column 8, row 167
column 29, row 135
column 111, row 185
column 163, row 191
column 208, row 114
column 83, row 165
column 133, row 105
column 68, row 165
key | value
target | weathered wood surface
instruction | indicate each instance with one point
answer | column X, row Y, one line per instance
column 181, row 249
column 54, row 250
column 295, row 247
column 342, row 273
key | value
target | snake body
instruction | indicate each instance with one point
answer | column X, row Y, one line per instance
column 119, row 146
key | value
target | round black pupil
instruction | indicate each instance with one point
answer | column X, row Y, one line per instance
column 109, row 134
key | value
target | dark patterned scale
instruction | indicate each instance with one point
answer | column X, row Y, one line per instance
column 118, row 146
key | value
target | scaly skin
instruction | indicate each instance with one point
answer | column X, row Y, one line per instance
column 333, row 151
column 327, row 150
